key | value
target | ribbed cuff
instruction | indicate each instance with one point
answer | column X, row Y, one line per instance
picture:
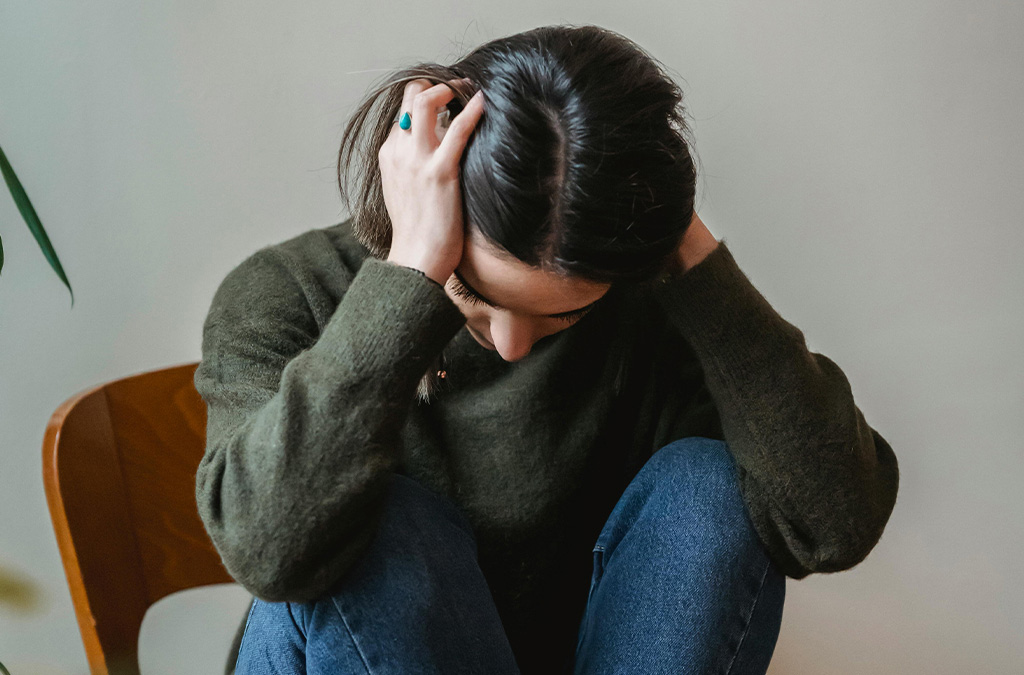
column 720, row 312
column 421, row 273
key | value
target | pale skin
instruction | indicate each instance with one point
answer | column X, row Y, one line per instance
column 508, row 304
column 525, row 296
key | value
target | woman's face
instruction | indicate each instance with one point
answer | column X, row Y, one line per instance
column 509, row 305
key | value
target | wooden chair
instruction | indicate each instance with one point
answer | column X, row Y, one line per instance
column 119, row 466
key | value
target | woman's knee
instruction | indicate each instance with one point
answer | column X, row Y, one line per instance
column 423, row 544
column 274, row 640
column 679, row 550
column 689, row 491
column 410, row 504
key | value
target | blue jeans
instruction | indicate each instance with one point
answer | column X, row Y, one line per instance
column 681, row 584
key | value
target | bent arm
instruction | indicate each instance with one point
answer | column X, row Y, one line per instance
column 303, row 429
column 818, row 481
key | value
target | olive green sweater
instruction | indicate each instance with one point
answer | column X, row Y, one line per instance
column 311, row 354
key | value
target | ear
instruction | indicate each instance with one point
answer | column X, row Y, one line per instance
column 444, row 120
column 445, row 117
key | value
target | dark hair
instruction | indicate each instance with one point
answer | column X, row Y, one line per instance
column 580, row 164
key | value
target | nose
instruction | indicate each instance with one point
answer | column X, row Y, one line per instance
column 512, row 338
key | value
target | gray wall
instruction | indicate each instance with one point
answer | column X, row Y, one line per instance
column 863, row 159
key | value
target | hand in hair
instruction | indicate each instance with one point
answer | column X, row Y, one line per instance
column 420, row 181
column 697, row 244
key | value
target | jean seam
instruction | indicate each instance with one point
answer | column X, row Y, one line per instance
column 594, row 581
column 351, row 635
column 753, row 608
column 245, row 630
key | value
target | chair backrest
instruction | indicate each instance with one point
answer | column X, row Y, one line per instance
column 119, row 467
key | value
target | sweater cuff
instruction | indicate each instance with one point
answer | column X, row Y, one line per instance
column 393, row 317
column 721, row 314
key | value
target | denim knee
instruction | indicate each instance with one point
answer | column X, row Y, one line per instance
column 681, row 581
column 416, row 601
column 409, row 496
column 691, row 488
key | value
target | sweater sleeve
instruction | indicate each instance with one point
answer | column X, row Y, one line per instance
column 818, row 481
column 303, row 429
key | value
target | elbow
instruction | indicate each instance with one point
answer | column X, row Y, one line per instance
column 844, row 548
column 274, row 581
column 248, row 551
column 266, row 569
column 800, row 550
column 274, row 559
column 276, row 574
column 845, row 527
column 851, row 526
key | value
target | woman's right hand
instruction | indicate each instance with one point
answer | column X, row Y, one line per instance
column 420, row 181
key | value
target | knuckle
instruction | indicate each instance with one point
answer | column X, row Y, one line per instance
column 459, row 127
column 440, row 171
column 458, row 135
column 431, row 173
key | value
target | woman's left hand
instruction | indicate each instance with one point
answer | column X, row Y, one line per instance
column 696, row 244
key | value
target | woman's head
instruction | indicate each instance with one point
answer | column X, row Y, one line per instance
column 579, row 169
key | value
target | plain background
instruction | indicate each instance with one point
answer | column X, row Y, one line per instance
column 862, row 158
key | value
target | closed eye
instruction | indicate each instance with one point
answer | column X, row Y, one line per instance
column 461, row 290
column 464, row 292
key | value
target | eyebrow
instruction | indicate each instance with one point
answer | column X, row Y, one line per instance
column 494, row 304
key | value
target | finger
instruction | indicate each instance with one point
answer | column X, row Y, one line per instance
column 426, row 106
column 412, row 87
column 462, row 127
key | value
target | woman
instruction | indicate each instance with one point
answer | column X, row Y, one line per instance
column 522, row 412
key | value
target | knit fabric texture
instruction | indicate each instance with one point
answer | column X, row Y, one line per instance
column 311, row 354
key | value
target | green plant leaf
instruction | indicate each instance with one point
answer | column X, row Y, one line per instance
column 32, row 220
